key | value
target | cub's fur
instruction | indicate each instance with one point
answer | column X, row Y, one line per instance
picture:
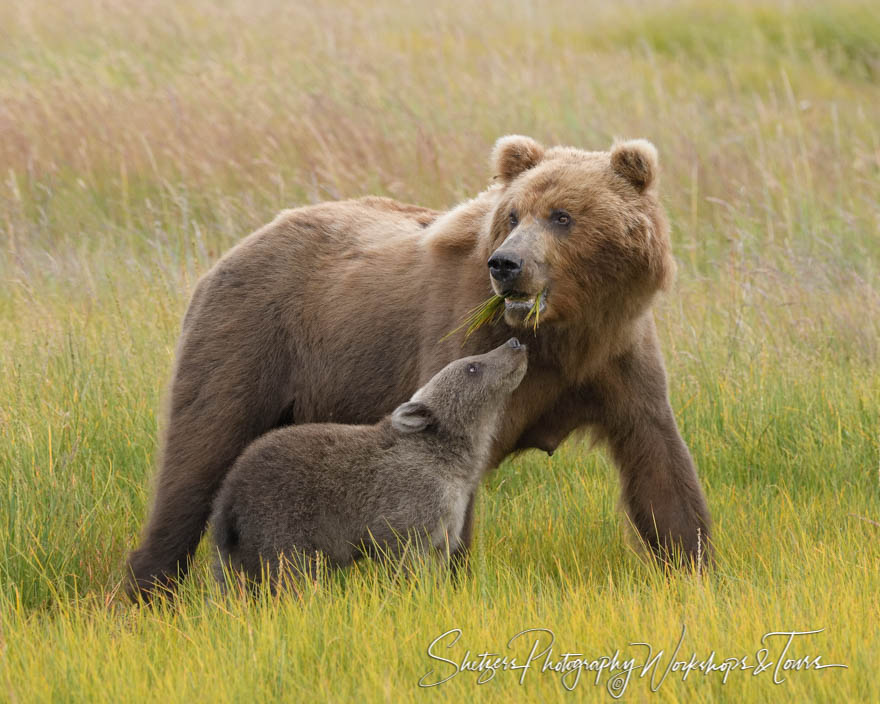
column 333, row 489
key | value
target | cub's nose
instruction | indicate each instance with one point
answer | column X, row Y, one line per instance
column 513, row 342
column 504, row 267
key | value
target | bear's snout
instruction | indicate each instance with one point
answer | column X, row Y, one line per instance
column 514, row 342
column 504, row 267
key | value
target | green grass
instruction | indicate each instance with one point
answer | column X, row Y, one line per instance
column 139, row 142
column 487, row 313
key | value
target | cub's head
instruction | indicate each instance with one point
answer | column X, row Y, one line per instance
column 467, row 395
column 579, row 233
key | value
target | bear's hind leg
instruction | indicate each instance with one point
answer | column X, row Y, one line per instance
column 219, row 404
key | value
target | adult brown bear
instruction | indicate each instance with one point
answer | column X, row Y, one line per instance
column 339, row 311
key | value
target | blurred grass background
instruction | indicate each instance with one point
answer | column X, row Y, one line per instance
column 138, row 141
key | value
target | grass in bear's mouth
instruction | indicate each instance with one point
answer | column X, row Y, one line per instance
column 487, row 312
column 536, row 311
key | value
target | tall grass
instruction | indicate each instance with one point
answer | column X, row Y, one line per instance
column 138, row 141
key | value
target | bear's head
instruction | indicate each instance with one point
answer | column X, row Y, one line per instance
column 466, row 397
column 576, row 233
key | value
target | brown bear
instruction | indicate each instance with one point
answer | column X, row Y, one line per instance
column 343, row 491
column 337, row 312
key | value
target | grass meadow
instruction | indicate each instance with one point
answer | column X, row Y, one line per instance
column 140, row 140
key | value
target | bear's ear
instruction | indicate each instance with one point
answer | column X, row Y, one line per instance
column 411, row 417
column 514, row 154
column 636, row 160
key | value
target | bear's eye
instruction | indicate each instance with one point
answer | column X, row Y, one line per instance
column 514, row 218
column 561, row 218
column 473, row 368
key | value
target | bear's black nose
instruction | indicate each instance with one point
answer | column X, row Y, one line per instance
column 513, row 342
column 504, row 267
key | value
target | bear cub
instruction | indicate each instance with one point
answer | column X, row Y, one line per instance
column 342, row 491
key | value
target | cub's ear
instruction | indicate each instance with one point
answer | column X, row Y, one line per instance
column 514, row 154
column 411, row 417
column 636, row 160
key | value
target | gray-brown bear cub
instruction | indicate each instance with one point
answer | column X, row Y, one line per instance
column 340, row 489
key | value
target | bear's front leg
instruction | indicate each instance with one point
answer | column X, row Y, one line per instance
column 661, row 490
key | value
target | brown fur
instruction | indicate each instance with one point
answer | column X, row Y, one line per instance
column 342, row 491
column 333, row 312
